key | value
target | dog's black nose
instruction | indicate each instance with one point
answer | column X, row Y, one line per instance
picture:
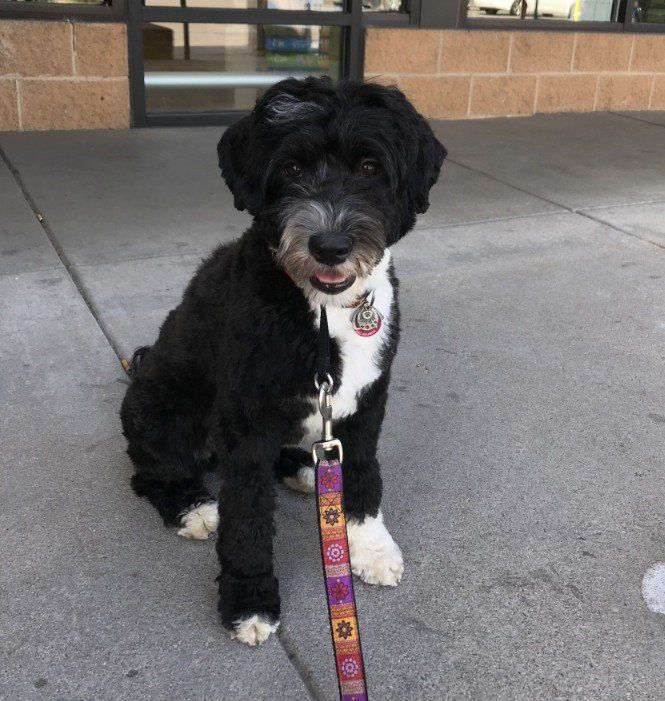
column 330, row 249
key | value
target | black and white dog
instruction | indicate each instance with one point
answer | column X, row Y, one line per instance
column 333, row 176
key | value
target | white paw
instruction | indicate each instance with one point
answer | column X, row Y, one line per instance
column 375, row 556
column 253, row 630
column 303, row 481
column 200, row 522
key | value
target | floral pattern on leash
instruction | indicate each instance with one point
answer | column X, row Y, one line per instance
column 339, row 583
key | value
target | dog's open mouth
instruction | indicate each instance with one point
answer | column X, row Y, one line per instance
column 332, row 282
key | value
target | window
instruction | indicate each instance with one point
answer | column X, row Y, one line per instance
column 64, row 9
column 193, row 68
column 61, row 2
column 310, row 5
column 207, row 61
column 648, row 11
column 384, row 5
column 566, row 10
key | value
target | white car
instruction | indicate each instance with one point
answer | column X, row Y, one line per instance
column 548, row 8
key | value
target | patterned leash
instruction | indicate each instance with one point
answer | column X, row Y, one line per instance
column 328, row 456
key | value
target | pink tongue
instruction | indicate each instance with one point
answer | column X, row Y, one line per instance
column 331, row 278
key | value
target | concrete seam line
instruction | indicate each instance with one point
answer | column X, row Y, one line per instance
column 619, row 229
column 635, row 203
column 572, row 210
column 195, row 256
column 491, row 220
column 637, row 119
column 305, row 675
column 53, row 240
column 505, row 182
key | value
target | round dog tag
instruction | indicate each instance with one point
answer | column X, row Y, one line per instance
column 366, row 320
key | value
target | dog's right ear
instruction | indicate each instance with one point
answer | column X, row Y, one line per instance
column 235, row 162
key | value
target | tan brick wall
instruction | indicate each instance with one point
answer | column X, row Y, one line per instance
column 454, row 74
column 63, row 75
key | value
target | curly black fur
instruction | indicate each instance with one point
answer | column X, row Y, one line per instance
column 228, row 383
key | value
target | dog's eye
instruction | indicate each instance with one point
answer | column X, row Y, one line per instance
column 369, row 169
column 292, row 170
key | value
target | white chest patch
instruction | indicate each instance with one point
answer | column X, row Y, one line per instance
column 360, row 355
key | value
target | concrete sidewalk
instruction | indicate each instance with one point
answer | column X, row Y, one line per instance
column 523, row 450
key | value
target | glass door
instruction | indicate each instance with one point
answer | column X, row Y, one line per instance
column 207, row 61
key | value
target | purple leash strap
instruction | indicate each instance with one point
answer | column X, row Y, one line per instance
column 342, row 613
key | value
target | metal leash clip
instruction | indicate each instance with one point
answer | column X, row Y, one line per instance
column 327, row 442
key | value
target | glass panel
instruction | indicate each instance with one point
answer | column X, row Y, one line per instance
column 573, row 10
column 315, row 5
column 66, row 2
column 384, row 5
column 652, row 11
column 192, row 67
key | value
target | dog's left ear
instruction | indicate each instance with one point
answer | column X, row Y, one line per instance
column 235, row 161
column 430, row 154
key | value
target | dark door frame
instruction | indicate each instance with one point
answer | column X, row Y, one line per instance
column 350, row 18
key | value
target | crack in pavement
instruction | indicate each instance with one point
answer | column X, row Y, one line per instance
column 64, row 260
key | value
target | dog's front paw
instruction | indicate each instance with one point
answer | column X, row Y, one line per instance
column 249, row 607
column 200, row 521
column 253, row 630
column 375, row 556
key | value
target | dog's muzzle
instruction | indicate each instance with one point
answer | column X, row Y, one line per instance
column 331, row 250
column 329, row 244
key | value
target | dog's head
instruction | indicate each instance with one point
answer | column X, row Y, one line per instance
column 338, row 174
